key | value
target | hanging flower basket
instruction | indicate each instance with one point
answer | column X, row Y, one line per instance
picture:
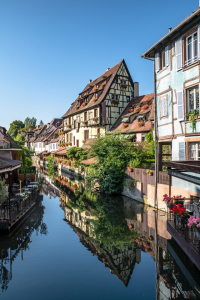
column 95, row 99
column 84, row 104
column 141, row 123
column 95, row 89
column 115, row 102
column 77, row 107
column 103, row 85
column 85, row 122
column 95, row 119
column 145, row 107
column 137, row 109
column 85, row 95
column 69, row 126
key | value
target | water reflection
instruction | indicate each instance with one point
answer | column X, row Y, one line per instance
column 117, row 230
column 18, row 241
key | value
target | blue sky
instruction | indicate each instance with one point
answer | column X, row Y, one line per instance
column 49, row 49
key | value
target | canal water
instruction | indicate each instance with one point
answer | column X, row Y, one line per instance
column 74, row 245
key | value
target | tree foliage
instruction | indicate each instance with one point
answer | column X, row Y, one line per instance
column 3, row 191
column 20, row 140
column 25, row 156
column 30, row 122
column 78, row 153
column 15, row 126
column 51, row 166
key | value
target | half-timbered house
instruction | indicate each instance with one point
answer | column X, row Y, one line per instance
column 98, row 106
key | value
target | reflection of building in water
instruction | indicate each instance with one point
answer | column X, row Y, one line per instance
column 120, row 262
column 18, row 241
column 49, row 189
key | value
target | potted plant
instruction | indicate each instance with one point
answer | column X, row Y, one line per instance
column 137, row 109
column 70, row 143
column 123, row 86
column 145, row 107
column 124, row 125
column 103, row 85
column 84, row 104
column 195, row 223
column 85, row 95
column 95, row 89
column 149, row 172
column 130, row 110
column 77, row 107
column 79, row 97
column 95, row 99
column 192, row 116
column 84, row 141
column 85, row 122
column 130, row 168
column 69, row 126
column 141, row 123
column 115, row 102
column 95, row 119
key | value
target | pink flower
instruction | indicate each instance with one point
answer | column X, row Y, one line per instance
column 198, row 225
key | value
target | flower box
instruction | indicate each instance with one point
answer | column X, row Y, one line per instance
column 131, row 110
column 77, row 107
column 123, row 86
column 70, row 143
column 69, row 126
column 85, row 122
column 79, row 98
column 84, row 104
column 95, row 119
column 95, row 89
column 85, row 95
column 103, row 85
column 137, row 109
column 130, row 169
column 115, row 102
column 95, row 99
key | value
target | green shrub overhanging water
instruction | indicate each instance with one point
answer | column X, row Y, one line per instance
column 115, row 153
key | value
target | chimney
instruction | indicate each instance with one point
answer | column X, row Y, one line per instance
column 136, row 89
column 109, row 68
column 90, row 80
column 170, row 28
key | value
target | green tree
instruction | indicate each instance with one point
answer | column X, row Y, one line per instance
column 20, row 140
column 51, row 166
column 15, row 126
column 25, row 156
column 3, row 191
column 30, row 122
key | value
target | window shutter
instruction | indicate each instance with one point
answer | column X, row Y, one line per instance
column 181, row 151
column 165, row 106
column 180, row 106
column 178, row 45
column 157, row 60
column 199, row 40
column 167, row 56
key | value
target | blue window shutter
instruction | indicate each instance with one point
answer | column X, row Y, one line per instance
column 178, row 46
column 180, row 106
column 182, row 151
column 157, row 62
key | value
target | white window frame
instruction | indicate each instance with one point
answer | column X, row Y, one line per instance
column 193, row 59
column 196, row 149
column 188, row 102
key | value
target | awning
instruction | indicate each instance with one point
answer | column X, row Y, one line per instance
column 125, row 119
column 140, row 117
column 143, row 135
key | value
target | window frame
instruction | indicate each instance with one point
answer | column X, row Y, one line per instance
column 196, row 150
column 187, row 97
column 193, row 59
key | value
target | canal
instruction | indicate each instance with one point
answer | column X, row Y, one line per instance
column 75, row 245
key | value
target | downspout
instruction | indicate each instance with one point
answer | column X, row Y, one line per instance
column 155, row 133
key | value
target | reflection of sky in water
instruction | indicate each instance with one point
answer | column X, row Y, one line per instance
column 62, row 264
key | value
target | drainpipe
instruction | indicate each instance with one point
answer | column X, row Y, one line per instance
column 155, row 132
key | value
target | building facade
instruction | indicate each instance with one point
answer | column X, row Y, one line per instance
column 177, row 76
column 98, row 106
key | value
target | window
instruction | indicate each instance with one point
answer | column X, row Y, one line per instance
column 115, row 97
column 195, row 151
column 95, row 112
column 163, row 106
column 163, row 59
column 74, row 124
column 86, row 134
column 85, row 115
column 143, row 137
column 70, row 137
column 67, row 138
column 77, row 143
column 98, row 130
column 191, row 49
column 69, row 120
column 115, row 80
column 123, row 82
column 193, row 98
column 128, row 98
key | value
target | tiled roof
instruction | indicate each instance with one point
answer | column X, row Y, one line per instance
column 134, row 102
column 110, row 73
column 93, row 160
column 133, row 127
column 88, row 143
column 54, row 141
column 9, row 163
column 46, row 138
column 61, row 151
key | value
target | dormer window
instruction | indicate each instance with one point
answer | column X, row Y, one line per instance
column 123, row 82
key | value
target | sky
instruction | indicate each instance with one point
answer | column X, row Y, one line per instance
column 49, row 49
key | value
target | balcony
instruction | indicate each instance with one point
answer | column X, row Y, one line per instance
column 93, row 123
